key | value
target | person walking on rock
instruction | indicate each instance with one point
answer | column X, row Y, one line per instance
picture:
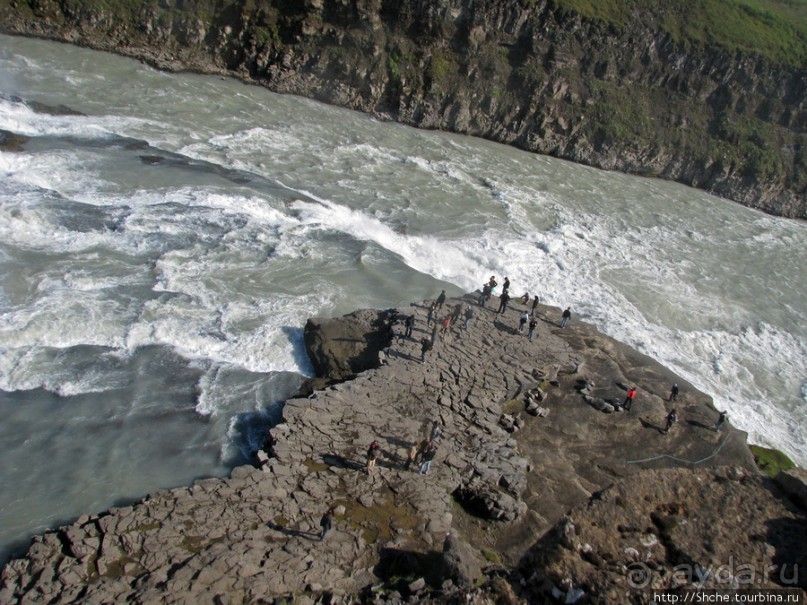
column 628, row 403
column 565, row 317
column 533, row 325
column 672, row 418
column 674, row 392
column 485, row 295
column 440, row 299
column 469, row 315
column 435, row 332
column 503, row 300
column 425, row 347
column 326, row 522
column 720, row 422
column 522, row 321
column 430, row 317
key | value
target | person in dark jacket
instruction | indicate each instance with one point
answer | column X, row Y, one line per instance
column 720, row 422
column 565, row 317
column 326, row 522
column 503, row 300
column 410, row 324
column 428, row 456
column 672, row 418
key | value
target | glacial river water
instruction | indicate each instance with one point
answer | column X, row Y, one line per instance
column 163, row 239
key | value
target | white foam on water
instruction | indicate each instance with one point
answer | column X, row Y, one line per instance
column 422, row 253
column 199, row 331
column 573, row 263
column 19, row 118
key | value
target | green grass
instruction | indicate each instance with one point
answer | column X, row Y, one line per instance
column 774, row 29
column 513, row 406
column 771, row 461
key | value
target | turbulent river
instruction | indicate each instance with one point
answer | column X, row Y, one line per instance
column 163, row 239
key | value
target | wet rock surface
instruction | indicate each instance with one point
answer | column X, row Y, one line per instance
column 256, row 535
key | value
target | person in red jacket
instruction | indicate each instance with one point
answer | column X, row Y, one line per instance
column 628, row 404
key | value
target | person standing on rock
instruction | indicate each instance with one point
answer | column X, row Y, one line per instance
column 410, row 324
column 526, row 298
column 411, row 456
column 469, row 315
column 445, row 330
column 533, row 325
column 373, row 454
column 430, row 317
column 440, row 299
column 503, row 300
column 425, row 347
column 485, row 295
column 672, row 418
column 522, row 321
column 428, row 456
column 506, row 285
column 534, row 311
column 628, row 403
column 674, row 392
column 564, row 319
column 436, row 433
column 492, row 285
column 720, row 422
column 456, row 314
column 326, row 522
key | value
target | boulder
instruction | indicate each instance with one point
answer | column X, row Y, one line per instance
column 343, row 347
column 794, row 483
column 488, row 501
column 459, row 562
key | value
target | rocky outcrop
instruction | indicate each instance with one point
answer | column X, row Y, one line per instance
column 721, row 529
column 341, row 348
column 478, row 517
column 631, row 96
column 794, row 483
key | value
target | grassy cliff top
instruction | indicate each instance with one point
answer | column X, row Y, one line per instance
column 774, row 29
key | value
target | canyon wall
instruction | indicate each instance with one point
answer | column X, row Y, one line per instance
column 631, row 97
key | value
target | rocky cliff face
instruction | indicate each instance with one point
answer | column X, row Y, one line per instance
column 522, row 72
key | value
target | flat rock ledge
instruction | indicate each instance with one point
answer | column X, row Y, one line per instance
column 520, row 446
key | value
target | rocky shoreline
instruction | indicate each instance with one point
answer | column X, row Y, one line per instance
column 540, row 487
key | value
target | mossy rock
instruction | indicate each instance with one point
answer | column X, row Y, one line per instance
column 513, row 406
column 771, row 461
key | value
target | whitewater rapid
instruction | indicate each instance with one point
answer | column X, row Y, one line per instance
column 163, row 239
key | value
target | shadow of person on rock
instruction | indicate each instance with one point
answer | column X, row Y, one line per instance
column 294, row 533
column 699, row 424
column 787, row 538
column 502, row 327
column 342, row 462
column 650, row 425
